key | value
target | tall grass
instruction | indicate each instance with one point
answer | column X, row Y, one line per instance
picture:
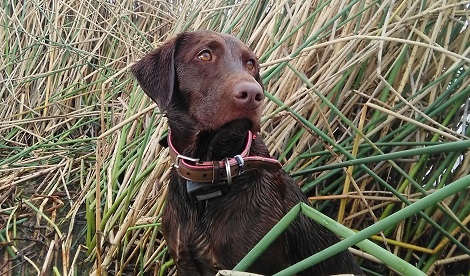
column 368, row 108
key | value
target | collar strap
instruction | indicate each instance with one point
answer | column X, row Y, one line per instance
column 215, row 171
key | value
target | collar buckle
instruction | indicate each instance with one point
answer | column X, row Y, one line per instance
column 179, row 157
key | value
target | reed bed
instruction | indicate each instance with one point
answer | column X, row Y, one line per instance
column 367, row 107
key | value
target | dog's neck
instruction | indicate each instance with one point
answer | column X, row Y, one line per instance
column 220, row 145
column 211, row 163
column 209, row 145
column 209, row 179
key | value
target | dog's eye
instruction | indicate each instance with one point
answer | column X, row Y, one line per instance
column 205, row 55
column 250, row 64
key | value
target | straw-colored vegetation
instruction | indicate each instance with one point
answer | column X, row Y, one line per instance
column 379, row 90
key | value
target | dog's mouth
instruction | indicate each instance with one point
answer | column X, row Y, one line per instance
column 238, row 120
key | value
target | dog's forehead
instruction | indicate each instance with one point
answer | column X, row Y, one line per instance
column 234, row 41
column 208, row 38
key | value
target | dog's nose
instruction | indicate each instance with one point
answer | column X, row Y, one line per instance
column 248, row 94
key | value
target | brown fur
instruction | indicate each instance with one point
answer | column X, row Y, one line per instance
column 210, row 105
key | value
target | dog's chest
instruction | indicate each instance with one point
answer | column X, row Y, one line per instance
column 208, row 244
column 217, row 234
column 222, row 228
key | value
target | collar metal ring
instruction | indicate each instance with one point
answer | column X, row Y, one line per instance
column 227, row 170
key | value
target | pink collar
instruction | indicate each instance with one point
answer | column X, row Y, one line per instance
column 215, row 171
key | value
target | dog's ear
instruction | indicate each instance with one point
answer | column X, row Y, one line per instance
column 155, row 73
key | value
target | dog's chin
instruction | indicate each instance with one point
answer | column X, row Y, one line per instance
column 238, row 126
column 235, row 130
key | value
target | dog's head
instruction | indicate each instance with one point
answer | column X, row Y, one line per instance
column 210, row 77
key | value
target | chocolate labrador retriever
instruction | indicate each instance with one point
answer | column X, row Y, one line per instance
column 225, row 192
